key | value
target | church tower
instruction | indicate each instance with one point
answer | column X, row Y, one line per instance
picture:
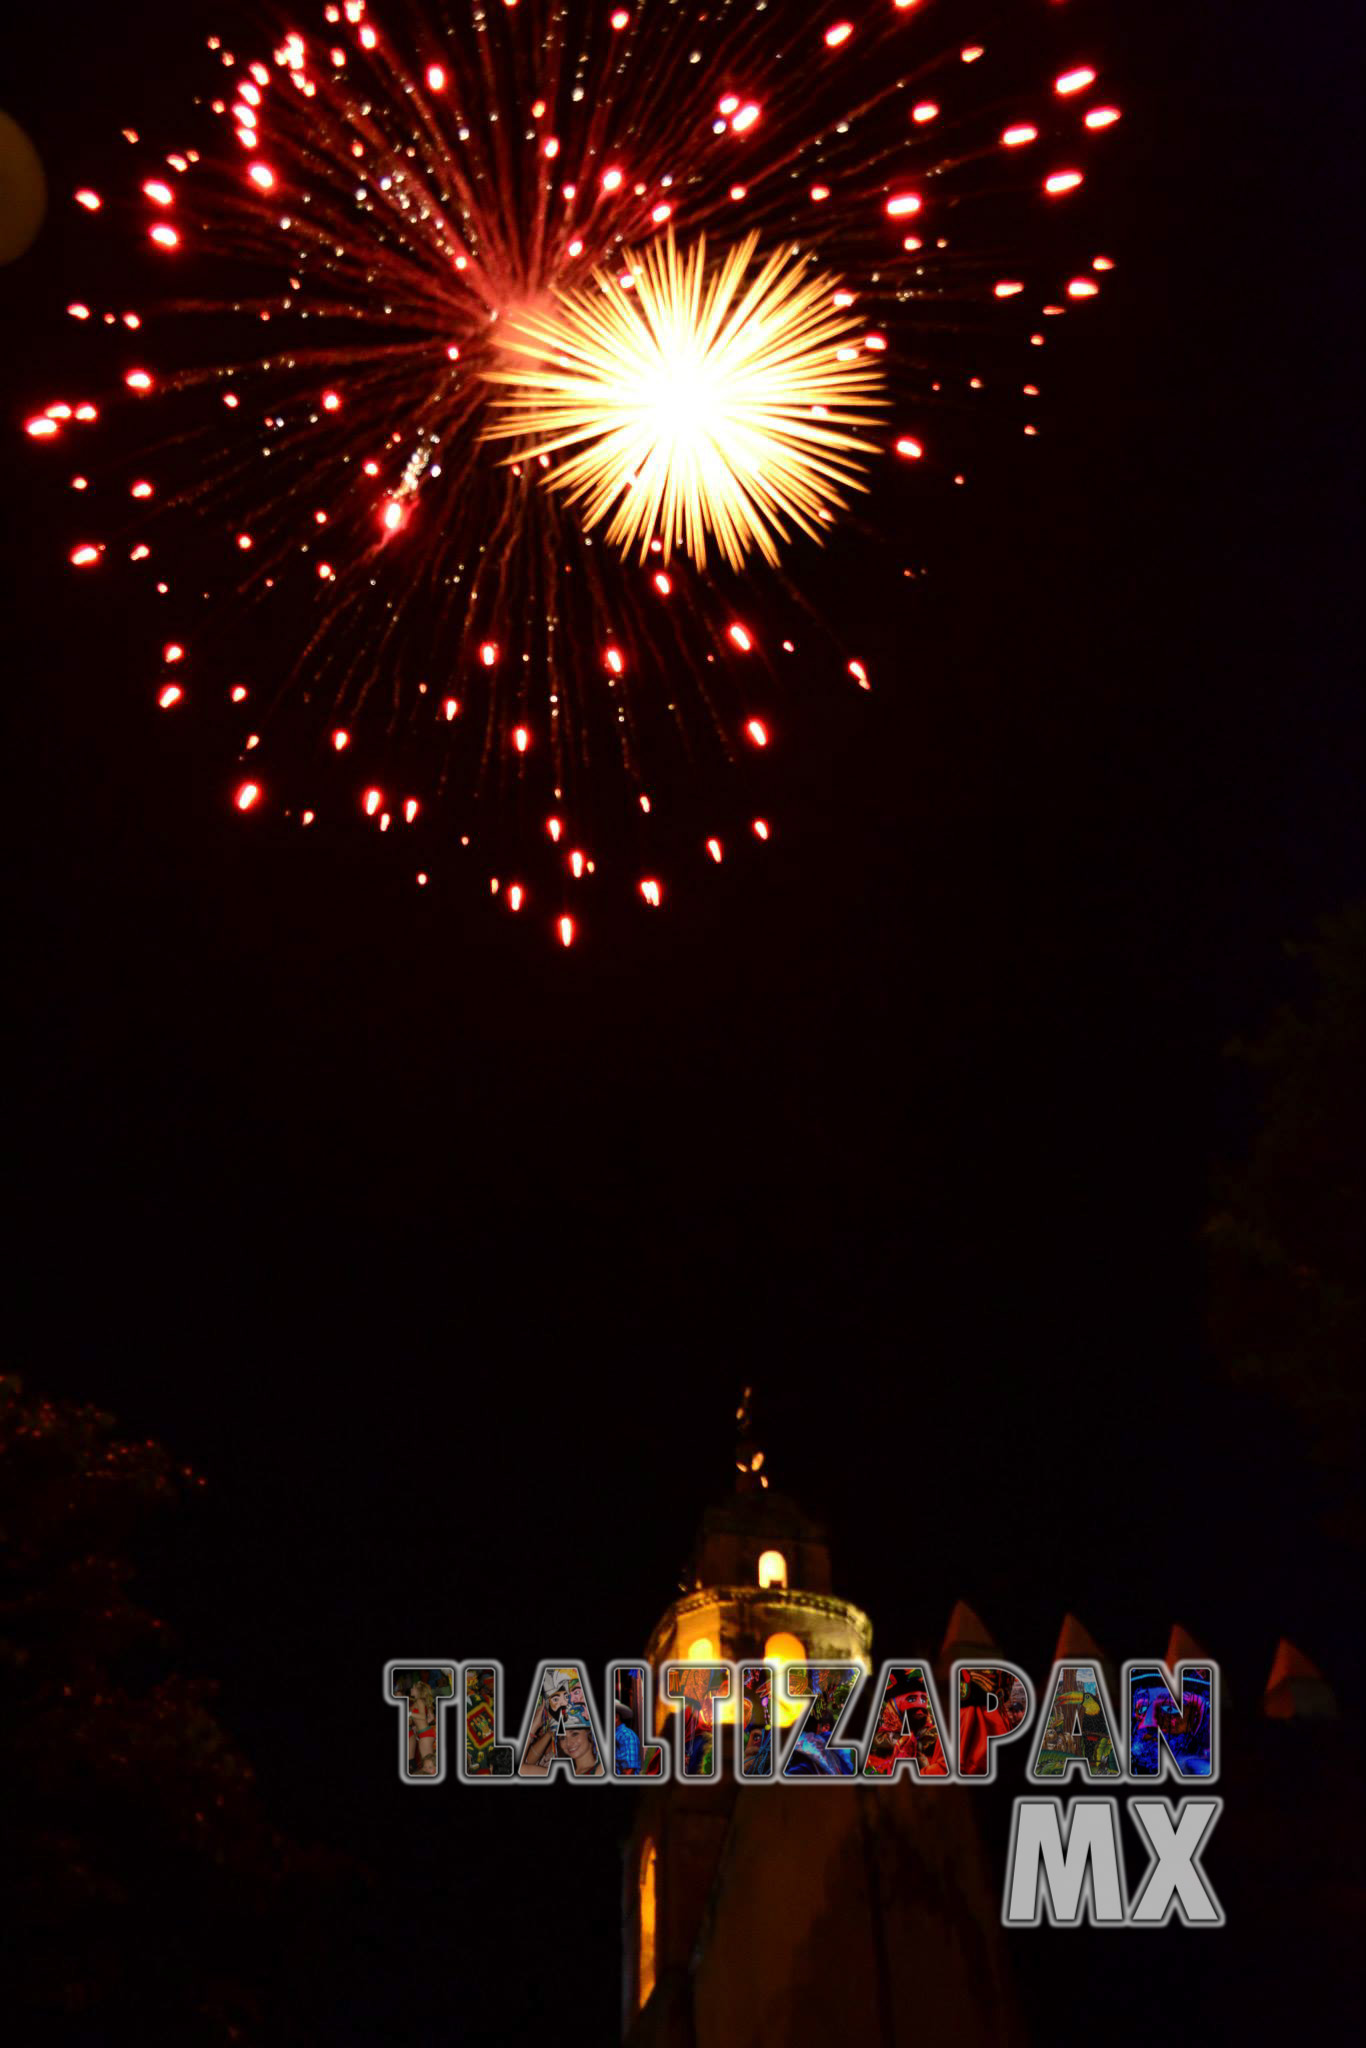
column 752, row 1914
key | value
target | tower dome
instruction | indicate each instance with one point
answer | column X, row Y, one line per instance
column 760, row 1587
column 758, row 1584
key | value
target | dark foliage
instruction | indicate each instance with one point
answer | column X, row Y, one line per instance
column 157, row 1902
column 1289, row 1236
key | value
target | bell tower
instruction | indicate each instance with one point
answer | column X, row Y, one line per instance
column 758, row 1587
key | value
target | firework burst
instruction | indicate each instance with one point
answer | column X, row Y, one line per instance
column 706, row 410
column 541, row 340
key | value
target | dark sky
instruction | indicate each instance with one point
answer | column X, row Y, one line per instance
column 442, row 1256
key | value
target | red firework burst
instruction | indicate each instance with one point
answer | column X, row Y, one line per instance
column 434, row 641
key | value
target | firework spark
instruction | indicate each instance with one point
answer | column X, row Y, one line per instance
column 487, row 291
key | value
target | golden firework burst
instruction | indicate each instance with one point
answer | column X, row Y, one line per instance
column 708, row 401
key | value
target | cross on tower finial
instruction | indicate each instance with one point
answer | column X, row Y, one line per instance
column 749, row 1474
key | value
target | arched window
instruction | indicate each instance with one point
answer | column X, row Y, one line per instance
column 782, row 1649
column 645, row 1923
column 773, row 1569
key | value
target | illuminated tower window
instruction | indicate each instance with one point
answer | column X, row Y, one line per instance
column 783, row 1649
column 701, row 1650
column 645, row 1967
column 773, row 1569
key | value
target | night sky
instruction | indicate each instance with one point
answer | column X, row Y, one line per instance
column 443, row 1254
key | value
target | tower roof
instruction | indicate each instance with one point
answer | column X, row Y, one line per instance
column 1076, row 1644
column 1291, row 1663
column 734, row 1534
column 1182, row 1648
column 1297, row 1690
column 967, row 1635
